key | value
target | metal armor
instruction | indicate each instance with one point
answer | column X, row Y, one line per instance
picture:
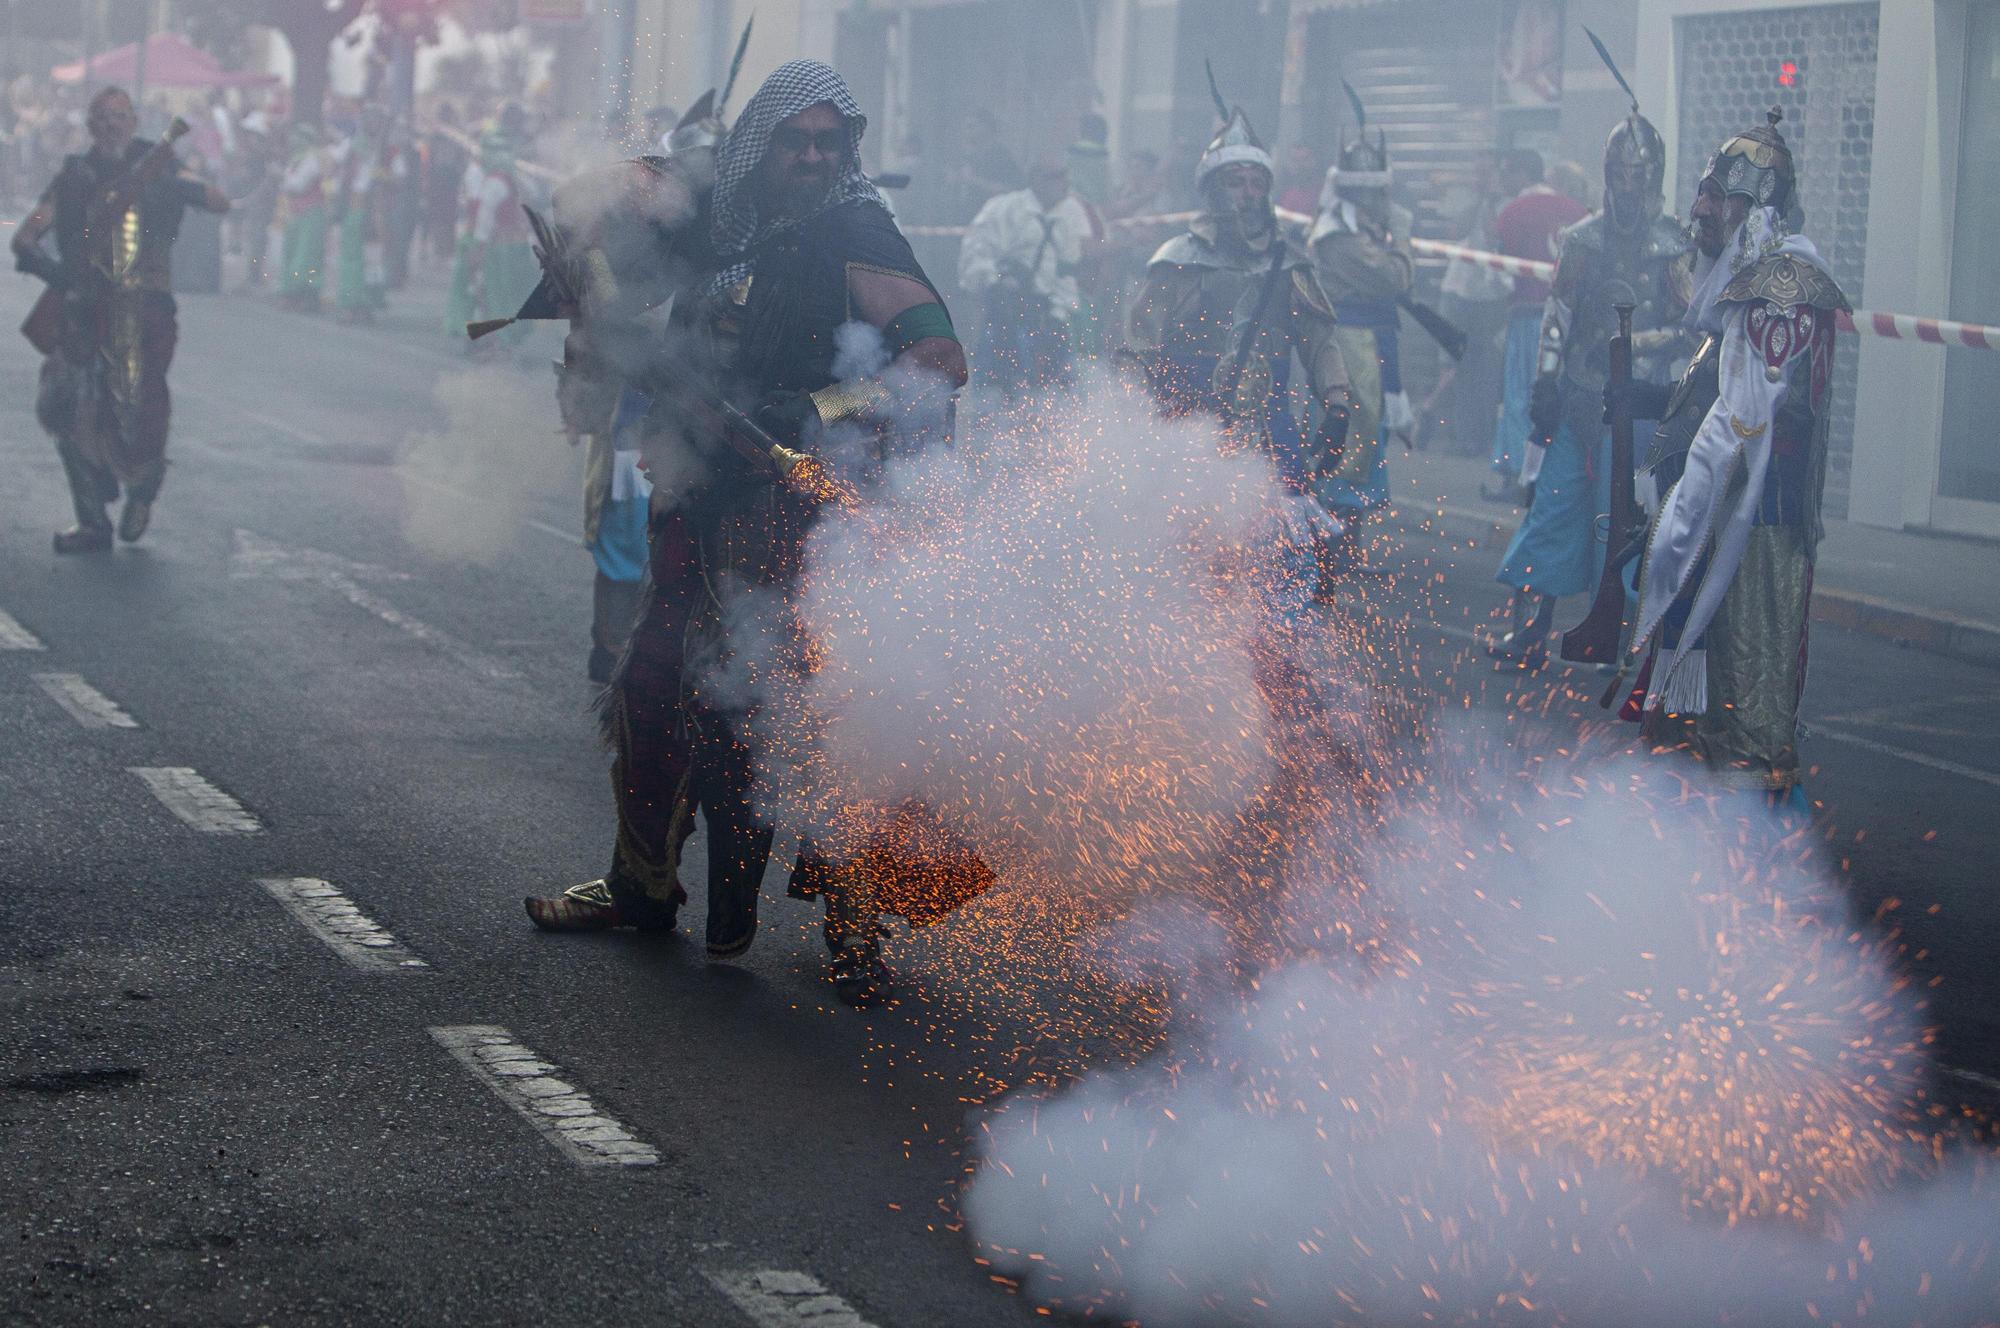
column 1600, row 270
column 1793, row 308
column 1651, row 275
column 1214, row 300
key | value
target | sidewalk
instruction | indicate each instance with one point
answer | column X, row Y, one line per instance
column 1934, row 592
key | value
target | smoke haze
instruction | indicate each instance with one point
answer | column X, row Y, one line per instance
column 1554, row 1040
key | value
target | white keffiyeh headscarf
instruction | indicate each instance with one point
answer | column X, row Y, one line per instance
column 737, row 230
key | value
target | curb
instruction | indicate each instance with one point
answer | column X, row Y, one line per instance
column 1959, row 638
column 1965, row 639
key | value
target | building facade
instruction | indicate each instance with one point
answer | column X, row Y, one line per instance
column 1450, row 80
column 1893, row 108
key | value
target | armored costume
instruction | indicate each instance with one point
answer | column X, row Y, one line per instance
column 1225, row 306
column 108, row 325
column 1361, row 250
column 1626, row 253
column 1529, row 226
column 783, row 283
column 1740, row 459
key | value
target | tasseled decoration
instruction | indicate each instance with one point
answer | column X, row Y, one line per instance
column 1685, row 690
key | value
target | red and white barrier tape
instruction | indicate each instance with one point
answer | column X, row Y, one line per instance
column 1540, row 269
column 1908, row 327
column 1863, row 322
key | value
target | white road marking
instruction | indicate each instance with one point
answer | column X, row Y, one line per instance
column 563, row 1113
column 1905, row 710
column 196, row 801
column 774, row 1298
column 13, row 636
column 1985, row 1081
column 566, row 536
column 570, row 537
column 1915, row 758
column 256, row 556
column 85, row 704
column 347, row 931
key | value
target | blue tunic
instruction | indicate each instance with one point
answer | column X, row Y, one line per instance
column 620, row 546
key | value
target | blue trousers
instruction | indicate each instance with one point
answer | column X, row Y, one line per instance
column 1510, row 436
column 1558, row 549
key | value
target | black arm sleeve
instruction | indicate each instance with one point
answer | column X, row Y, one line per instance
column 873, row 240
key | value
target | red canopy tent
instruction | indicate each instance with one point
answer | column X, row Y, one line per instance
column 172, row 61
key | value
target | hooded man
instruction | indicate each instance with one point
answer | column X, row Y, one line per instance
column 1629, row 252
column 804, row 246
column 1740, row 459
column 103, row 393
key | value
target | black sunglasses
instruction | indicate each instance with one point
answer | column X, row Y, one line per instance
column 830, row 142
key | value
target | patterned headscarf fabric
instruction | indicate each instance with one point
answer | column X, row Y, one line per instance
column 795, row 86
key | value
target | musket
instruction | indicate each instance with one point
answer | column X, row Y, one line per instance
column 106, row 211
column 1443, row 331
column 102, row 217
column 752, row 441
column 1596, row 639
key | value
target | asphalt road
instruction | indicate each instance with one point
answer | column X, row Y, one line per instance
column 210, row 1115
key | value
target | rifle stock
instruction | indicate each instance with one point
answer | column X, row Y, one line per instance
column 1597, row 638
column 124, row 191
column 1446, row 333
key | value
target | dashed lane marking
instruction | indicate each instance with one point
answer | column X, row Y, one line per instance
column 256, row 556
column 201, row 804
column 85, row 704
column 569, row 537
column 13, row 636
column 774, row 1298
column 347, row 931
column 563, row 1113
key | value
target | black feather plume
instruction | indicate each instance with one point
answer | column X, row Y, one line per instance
column 1612, row 65
column 735, row 64
column 1360, row 111
column 1221, row 106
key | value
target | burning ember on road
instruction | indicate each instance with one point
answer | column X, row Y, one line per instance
column 1348, row 1012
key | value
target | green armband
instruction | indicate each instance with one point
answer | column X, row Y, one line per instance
column 915, row 324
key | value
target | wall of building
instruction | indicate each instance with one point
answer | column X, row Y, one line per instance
column 683, row 47
column 1914, row 108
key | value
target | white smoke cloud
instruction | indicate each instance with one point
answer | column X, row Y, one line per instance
column 1457, row 1034
column 500, row 455
column 1639, row 1068
column 1047, row 635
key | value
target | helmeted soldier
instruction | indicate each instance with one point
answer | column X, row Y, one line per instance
column 1740, row 457
column 1361, row 245
column 1630, row 251
column 1225, row 305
